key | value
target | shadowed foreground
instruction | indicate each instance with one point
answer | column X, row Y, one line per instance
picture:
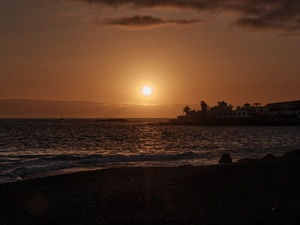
column 257, row 193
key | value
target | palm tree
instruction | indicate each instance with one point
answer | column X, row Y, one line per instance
column 246, row 105
column 186, row 109
column 222, row 103
column 204, row 109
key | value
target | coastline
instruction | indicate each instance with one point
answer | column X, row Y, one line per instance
column 237, row 193
column 272, row 114
column 252, row 121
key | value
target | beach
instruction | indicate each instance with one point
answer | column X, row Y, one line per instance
column 237, row 193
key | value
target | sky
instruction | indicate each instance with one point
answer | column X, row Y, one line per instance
column 187, row 51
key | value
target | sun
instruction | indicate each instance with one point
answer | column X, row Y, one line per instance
column 147, row 90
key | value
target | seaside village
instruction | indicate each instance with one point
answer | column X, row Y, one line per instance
column 290, row 109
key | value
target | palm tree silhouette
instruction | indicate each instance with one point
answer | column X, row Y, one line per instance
column 204, row 109
column 186, row 109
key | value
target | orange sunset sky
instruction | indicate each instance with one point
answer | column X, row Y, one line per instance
column 91, row 58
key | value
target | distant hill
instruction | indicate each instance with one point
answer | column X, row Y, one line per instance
column 22, row 108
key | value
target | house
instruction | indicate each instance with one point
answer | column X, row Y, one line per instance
column 222, row 110
column 284, row 108
column 240, row 112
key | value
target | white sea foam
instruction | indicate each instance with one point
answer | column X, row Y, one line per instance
column 47, row 165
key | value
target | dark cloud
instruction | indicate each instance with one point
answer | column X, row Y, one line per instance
column 282, row 15
column 188, row 4
column 143, row 22
column 257, row 14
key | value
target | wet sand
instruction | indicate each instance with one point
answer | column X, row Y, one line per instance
column 239, row 193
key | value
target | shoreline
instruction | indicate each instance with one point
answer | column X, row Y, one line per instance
column 237, row 193
column 251, row 121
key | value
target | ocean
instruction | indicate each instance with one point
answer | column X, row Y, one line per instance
column 31, row 148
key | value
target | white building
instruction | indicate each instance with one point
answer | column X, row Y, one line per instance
column 240, row 113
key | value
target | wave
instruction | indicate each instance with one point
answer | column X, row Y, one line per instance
column 46, row 165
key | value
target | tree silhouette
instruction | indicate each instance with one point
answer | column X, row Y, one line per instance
column 186, row 109
column 204, row 109
column 222, row 103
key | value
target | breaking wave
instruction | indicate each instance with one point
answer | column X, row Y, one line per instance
column 48, row 165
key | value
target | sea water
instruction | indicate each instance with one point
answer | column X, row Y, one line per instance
column 31, row 148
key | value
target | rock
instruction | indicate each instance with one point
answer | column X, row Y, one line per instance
column 269, row 157
column 292, row 155
column 275, row 209
column 246, row 160
column 225, row 158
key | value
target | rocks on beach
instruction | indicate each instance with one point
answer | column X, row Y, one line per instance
column 269, row 157
column 254, row 193
column 225, row 158
column 290, row 156
column 246, row 160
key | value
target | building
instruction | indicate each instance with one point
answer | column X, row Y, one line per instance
column 221, row 110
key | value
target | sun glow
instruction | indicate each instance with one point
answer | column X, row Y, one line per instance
column 147, row 90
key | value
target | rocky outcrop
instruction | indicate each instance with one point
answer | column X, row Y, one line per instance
column 269, row 157
column 246, row 160
column 225, row 158
column 292, row 155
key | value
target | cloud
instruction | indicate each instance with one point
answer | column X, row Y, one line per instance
column 277, row 15
column 281, row 15
column 143, row 21
column 177, row 4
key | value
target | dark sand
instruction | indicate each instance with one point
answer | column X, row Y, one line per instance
column 257, row 193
